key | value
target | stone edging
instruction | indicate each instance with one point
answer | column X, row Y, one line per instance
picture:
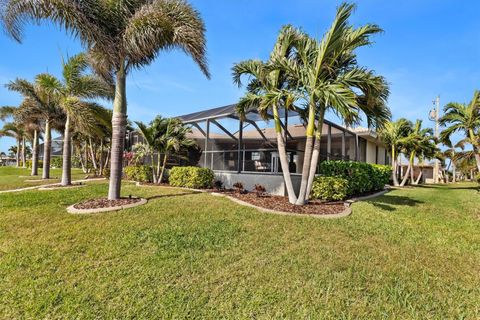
column 73, row 186
column 346, row 212
column 45, row 185
column 370, row 196
column 72, row 209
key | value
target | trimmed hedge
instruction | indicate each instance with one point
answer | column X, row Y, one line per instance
column 138, row 173
column 362, row 177
column 330, row 188
column 191, row 177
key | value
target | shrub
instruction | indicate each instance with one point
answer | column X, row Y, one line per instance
column 106, row 172
column 330, row 188
column 259, row 190
column 56, row 162
column 29, row 164
column 238, row 186
column 139, row 173
column 362, row 177
column 218, row 184
column 191, row 177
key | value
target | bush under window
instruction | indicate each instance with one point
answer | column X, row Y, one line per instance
column 191, row 177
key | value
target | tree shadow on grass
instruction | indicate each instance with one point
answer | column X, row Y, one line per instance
column 388, row 202
column 171, row 195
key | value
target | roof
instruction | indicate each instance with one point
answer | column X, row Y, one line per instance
column 225, row 111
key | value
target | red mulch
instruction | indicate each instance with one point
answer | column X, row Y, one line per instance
column 105, row 203
column 280, row 203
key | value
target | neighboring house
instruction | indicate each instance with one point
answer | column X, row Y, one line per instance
column 57, row 147
column 245, row 150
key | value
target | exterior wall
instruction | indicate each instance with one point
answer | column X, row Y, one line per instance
column 371, row 152
column 273, row 183
column 381, row 155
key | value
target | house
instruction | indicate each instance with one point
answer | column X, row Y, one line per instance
column 244, row 149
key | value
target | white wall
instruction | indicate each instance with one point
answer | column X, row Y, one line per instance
column 273, row 184
column 371, row 152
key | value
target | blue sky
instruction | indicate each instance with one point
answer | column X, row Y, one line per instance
column 428, row 48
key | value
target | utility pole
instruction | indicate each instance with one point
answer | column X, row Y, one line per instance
column 434, row 115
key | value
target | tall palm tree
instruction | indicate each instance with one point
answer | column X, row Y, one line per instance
column 120, row 36
column 329, row 77
column 393, row 134
column 75, row 87
column 463, row 118
column 268, row 90
column 45, row 93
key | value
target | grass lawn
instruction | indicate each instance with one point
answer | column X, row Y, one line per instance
column 413, row 253
column 14, row 178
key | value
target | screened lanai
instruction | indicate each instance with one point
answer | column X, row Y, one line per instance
column 229, row 143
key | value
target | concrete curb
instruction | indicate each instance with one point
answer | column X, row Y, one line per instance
column 346, row 212
column 45, row 185
column 73, row 210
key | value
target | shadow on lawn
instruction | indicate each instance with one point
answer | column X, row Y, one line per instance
column 171, row 195
column 387, row 202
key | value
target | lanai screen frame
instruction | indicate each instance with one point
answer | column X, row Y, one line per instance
column 211, row 117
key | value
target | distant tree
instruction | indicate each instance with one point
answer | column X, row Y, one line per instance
column 465, row 119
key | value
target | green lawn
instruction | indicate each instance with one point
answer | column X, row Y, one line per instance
column 14, row 178
column 414, row 253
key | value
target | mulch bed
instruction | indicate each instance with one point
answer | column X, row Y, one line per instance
column 280, row 203
column 105, row 203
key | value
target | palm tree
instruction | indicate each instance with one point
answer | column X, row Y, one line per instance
column 393, row 134
column 268, row 90
column 419, row 141
column 13, row 130
column 329, row 77
column 464, row 118
column 120, row 36
column 163, row 136
column 45, row 93
column 75, row 87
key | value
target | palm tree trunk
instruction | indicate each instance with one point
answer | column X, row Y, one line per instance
column 419, row 176
column 307, row 157
column 47, row 147
column 107, row 157
column 454, row 172
column 315, row 156
column 35, row 154
column 101, row 157
column 164, row 164
column 24, row 152
column 67, row 155
column 412, row 167
column 394, row 167
column 282, row 153
column 405, row 176
column 92, row 154
column 17, row 156
column 119, row 122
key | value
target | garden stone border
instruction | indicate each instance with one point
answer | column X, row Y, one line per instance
column 370, row 196
column 346, row 212
column 73, row 186
column 73, row 210
column 45, row 185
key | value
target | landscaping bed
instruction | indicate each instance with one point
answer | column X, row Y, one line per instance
column 280, row 203
column 105, row 203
